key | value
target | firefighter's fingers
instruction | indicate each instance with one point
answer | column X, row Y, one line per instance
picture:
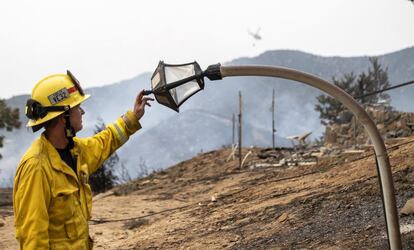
column 145, row 101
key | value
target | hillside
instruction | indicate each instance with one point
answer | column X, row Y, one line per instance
column 208, row 203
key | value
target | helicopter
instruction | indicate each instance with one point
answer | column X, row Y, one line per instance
column 256, row 36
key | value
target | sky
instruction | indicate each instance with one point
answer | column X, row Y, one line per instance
column 106, row 41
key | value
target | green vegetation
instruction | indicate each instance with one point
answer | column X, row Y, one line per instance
column 357, row 86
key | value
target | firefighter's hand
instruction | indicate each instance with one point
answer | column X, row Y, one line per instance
column 140, row 102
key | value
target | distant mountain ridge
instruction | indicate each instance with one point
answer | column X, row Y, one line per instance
column 186, row 132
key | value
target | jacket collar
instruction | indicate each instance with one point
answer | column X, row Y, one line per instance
column 56, row 162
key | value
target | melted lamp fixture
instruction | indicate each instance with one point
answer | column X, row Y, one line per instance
column 173, row 84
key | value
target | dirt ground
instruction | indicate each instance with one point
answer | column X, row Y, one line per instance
column 209, row 203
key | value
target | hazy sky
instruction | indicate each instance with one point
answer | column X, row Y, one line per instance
column 104, row 41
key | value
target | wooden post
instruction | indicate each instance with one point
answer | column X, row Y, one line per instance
column 354, row 130
column 233, row 141
column 273, row 120
column 240, row 128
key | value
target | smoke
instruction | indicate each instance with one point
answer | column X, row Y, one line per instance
column 204, row 121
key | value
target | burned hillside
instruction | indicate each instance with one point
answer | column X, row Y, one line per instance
column 209, row 202
column 348, row 132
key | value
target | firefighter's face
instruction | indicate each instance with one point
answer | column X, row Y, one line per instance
column 76, row 118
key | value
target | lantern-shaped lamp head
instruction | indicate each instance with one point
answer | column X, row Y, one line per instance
column 172, row 84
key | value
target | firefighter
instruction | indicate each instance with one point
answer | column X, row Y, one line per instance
column 52, row 199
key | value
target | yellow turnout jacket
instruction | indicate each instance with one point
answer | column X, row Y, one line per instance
column 52, row 204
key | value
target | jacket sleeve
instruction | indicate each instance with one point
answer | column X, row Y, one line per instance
column 31, row 198
column 103, row 144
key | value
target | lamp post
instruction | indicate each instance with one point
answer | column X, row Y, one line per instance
column 217, row 72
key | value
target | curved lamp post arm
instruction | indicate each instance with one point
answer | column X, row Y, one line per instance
column 383, row 165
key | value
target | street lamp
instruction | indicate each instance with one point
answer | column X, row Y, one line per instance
column 217, row 72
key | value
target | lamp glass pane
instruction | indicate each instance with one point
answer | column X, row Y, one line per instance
column 176, row 73
column 180, row 93
column 156, row 80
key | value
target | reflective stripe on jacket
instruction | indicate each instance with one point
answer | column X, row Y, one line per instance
column 52, row 204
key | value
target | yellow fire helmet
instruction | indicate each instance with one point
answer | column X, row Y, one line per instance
column 52, row 96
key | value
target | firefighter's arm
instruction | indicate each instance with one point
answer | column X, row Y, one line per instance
column 31, row 198
column 103, row 144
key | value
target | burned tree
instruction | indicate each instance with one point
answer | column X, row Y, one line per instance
column 328, row 107
column 360, row 87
